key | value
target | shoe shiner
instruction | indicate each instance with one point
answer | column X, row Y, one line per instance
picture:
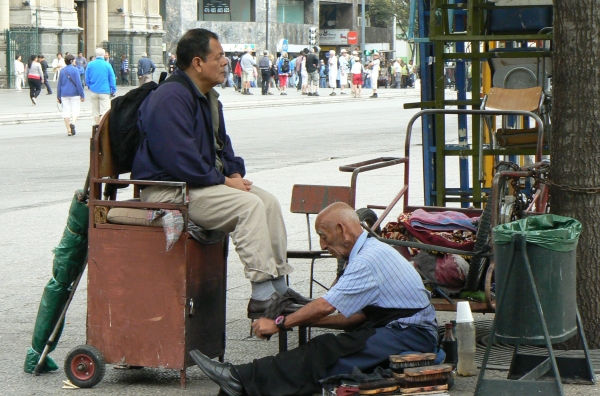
column 185, row 140
column 380, row 298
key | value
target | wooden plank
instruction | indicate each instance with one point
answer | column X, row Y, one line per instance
column 311, row 199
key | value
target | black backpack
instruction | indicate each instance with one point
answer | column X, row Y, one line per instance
column 125, row 137
column 285, row 65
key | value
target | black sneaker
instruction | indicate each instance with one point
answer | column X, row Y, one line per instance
column 72, row 129
column 374, row 95
column 310, row 94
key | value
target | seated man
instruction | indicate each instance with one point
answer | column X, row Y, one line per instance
column 380, row 298
column 185, row 140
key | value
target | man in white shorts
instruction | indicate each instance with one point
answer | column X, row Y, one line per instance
column 248, row 65
column 344, row 70
column 374, row 66
column 100, row 79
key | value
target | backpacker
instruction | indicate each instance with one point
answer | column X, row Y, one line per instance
column 285, row 65
column 125, row 137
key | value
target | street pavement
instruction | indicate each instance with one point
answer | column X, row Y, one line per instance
column 285, row 140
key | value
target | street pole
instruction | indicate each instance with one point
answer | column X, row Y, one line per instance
column 267, row 27
column 362, row 28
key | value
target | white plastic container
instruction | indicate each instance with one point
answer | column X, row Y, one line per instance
column 465, row 335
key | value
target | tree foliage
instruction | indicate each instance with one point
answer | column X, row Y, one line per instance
column 381, row 13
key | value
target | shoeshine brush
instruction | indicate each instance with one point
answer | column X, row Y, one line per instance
column 425, row 379
column 400, row 362
column 378, row 387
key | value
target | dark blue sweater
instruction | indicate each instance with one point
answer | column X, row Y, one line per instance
column 179, row 142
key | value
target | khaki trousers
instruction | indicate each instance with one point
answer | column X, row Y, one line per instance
column 145, row 78
column 253, row 219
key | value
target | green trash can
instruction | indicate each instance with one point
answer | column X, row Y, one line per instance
column 551, row 250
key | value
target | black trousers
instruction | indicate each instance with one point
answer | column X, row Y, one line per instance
column 266, row 76
column 35, row 87
column 47, row 84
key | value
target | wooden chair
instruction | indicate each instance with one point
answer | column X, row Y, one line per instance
column 146, row 306
column 527, row 99
column 310, row 200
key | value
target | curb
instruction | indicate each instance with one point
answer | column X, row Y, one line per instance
column 55, row 116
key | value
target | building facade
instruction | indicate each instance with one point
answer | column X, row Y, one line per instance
column 124, row 27
column 266, row 23
column 130, row 27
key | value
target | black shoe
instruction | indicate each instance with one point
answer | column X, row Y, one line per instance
column 49, row 93
column 296, row 297
column 72, row 129
column 220, row 373
column 258, row 306
column 373, row 96
column 316, row 94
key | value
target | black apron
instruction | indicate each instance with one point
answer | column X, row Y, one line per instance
column 298, row 371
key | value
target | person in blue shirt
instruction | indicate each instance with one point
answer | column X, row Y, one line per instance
column 81, row 64
column 70, row 93
column 382, row 303
column 145, row 69
column 322, row 75
column 100, row 79
column 185, row 140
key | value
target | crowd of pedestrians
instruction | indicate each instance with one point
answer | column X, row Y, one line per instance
column 344, row 74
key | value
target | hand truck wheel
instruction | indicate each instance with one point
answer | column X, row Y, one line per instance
column 85, row 366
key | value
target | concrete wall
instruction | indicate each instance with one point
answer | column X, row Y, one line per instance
column 182, row 16
column 378, row 35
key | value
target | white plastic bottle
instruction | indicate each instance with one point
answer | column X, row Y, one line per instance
column 465, row 335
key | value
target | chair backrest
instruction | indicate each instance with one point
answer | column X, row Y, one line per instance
column 311, row 199
column 526, row 99
column 105, row 166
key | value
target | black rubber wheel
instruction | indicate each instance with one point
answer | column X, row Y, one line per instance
column 368, row 216
column 478, row 265
column 85, row 366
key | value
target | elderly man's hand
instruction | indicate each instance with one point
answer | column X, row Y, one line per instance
column 236, row 181
column 264, row 328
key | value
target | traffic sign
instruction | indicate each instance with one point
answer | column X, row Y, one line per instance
column 352, row 37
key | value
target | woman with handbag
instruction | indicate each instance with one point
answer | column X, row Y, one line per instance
column 35, row 78
column 70, row 93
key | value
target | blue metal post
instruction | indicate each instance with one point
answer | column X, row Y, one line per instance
column 427, row 94
column 460, row 84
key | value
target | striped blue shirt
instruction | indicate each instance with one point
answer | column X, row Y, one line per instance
column 378, row 275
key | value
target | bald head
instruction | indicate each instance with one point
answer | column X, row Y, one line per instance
column 338, row 227
column 340, row 212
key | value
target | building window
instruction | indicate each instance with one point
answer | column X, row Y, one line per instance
column 290, row 11
column 239, row 10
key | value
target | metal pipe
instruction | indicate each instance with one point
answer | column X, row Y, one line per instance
column 362, row 28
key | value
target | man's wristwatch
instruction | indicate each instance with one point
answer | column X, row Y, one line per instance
column 280, row 323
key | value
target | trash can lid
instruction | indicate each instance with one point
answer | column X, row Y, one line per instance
column 549, row 231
